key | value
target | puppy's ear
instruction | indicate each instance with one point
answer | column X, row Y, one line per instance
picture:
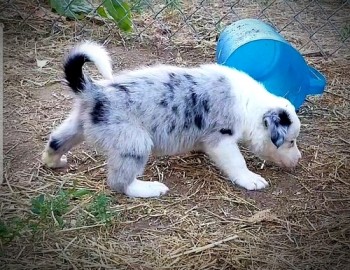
column 277, row 121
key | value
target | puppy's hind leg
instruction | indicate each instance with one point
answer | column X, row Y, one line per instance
column 127, row 158
column 62, row 139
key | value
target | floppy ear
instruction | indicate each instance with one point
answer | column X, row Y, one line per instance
column 277, row 122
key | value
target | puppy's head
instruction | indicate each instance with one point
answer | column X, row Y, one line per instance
column 280, row 128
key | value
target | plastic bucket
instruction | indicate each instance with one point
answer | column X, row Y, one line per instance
column 259, row 50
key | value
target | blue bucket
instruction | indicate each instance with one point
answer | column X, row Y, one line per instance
column 256, row 48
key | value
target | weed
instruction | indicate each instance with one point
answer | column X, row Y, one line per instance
column 48, row 211
column 11, row 229
column 52, row 209
column 47, row 208
column 100, row 209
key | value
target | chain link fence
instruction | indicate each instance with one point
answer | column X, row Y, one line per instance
column 315, row 27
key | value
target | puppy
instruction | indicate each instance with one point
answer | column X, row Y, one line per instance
column 167, row 110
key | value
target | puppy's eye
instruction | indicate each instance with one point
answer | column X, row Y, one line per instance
column 292, row 143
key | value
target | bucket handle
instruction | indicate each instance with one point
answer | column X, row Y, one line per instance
column 317, row 81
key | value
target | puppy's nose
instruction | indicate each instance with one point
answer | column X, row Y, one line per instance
column 298, row 157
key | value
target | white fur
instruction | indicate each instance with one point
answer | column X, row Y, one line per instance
column 146, row 189
column 98, row 55
column 253, row 101
column 134, row 117
column 229, row 159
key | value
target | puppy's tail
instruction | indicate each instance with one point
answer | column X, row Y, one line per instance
column 86, row 52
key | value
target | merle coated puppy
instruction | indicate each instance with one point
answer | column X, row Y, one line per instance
column 167, row 110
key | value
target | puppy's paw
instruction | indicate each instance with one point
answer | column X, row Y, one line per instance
column 54, row 161
column 145, row 189
column 251, row 181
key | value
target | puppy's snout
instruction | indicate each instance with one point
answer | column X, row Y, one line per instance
column 296, row 160
column 293, row 162
column 299, row 156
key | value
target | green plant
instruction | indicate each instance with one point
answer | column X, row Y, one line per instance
column 116, row 10
column 100, row 208
column 45, row 212
column 11, row 229
column 74, row 9
column 119, row 11
column 52, row 209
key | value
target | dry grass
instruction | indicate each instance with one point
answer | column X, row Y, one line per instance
column 301, row 222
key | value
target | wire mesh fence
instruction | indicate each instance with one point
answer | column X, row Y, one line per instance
column 315, row 27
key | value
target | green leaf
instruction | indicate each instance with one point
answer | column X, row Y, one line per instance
column 103, row 13
column 120, row 12
column 5, row 231
column 60, row 204
column 37, row 204
column 11, row 229
column 100, row 208
column 74, row 9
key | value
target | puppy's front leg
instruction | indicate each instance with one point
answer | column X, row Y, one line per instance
column 229, row 159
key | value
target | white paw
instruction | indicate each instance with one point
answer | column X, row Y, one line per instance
column 145, row 189
column 251, row 181
column 54, row 161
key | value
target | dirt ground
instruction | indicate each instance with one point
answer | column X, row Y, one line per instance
column 302, row 221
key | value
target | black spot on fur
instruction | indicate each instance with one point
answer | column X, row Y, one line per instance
column 73, row 70
column 164, row 103
column 277, row 122
column 99, row 111
column 149, row 82
column 188, row 119
column 132, row 83
column 136, row 157
column 205, row 103
column 194, row 98
column 171, row 127
column 131, row 101
column 198, row 121
column 121, row 87
column 190, row 79
column 221, row 79
column 284, row 118
column 226, row 131
column 174, row 79
column 168, row 96
column 154, row 129
column 175, row 109
column 170, row 86
column 55, row 144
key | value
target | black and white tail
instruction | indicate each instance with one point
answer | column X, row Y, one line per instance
column 78, row 56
